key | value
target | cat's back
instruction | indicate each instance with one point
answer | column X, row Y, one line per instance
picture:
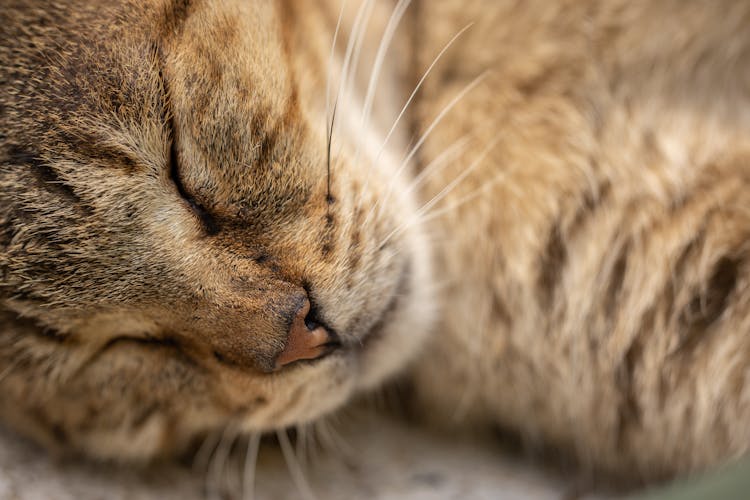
column 596, row 244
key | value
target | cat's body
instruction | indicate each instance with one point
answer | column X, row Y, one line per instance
column 597, row 294
column 168, row 215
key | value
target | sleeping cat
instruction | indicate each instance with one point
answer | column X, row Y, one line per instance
column 240, row 214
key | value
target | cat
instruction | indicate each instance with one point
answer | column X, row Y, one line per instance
column 182, row 250
column 241, row 214
column 596, row 256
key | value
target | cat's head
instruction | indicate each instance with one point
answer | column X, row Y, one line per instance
column 172, row 240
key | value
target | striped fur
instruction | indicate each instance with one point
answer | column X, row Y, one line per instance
column 600, row 298
column 165, row 198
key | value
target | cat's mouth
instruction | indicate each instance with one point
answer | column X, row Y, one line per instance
column 347, row 344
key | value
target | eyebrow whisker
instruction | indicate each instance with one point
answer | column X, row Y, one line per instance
column 331, row 115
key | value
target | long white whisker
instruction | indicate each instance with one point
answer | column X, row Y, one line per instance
column 330, row 68
column 335, row 440
column 436, row 213
column 456, row 99
column 331, row 115
column 360, row 32
column 440, row 117
column 433, row 214
column 445, row 191
column 416, row 89
column 432, row 168
column 218, row 464
column 351, row 42
column 251, row 462
column 324, row 436
column 206, row 450
column 385, row 43
column 350, row 71
column 406, row 105
column 440, row 162
column 294, row 469
column 301, row 446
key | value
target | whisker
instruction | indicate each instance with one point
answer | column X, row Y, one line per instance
column 329, row 73
column 350, row 72
column 218, row 464
column 301, row 445
column 437, row 213
column 451, row 185
column 409, row 101
column 472, row 195
column 294, row 469
column 251, row 463
column 349, row 66
column 333, row 447
column 385, row 43
column 330, row 116
column 445, row 191
column 439, row 118
column 360, row 32
column 205, row 452
column 351, row 41
column 328, row 153
column 337, row 442
column 456, row 99
column 457, row 148
column 324, row 437
column 417, row 87
column 436, row 164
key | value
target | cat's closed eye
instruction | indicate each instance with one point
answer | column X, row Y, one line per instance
column 542, row 205
column 208, row 222
column 234, row 272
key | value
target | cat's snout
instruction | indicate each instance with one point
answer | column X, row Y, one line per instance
column 307, row 339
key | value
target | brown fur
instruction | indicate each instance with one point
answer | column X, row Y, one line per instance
column 151, row 308
column 165, row 208
column 599, row 292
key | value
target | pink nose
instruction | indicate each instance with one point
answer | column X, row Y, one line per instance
column 303, row 342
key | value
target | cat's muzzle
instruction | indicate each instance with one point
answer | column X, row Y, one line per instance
column 307, row 339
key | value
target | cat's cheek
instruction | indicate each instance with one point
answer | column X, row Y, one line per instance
column 392, row 351
column 399, row 343
column 408, row 327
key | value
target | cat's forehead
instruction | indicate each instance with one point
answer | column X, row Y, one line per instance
column 118, row 83
column 236, row 106
column 232, row 51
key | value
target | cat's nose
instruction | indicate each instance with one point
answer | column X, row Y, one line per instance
column 307, row 339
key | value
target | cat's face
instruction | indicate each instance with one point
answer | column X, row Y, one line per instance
column 172, row 235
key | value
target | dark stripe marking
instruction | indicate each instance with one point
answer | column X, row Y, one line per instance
column 552, row 262
column 706, row 307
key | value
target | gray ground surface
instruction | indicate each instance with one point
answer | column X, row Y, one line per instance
column 383, row 459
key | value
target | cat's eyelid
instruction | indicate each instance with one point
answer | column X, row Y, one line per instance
column 207, row 220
